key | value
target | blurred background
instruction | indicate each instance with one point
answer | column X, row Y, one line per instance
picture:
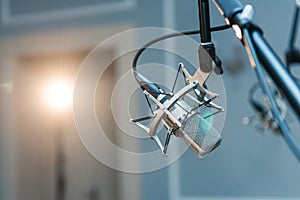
column 42, row 45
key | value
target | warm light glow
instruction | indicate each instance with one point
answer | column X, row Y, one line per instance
column 59, row 94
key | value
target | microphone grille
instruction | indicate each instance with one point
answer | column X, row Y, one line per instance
column 202, row 132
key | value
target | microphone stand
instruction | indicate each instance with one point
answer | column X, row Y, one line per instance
column 234, row 14
column 259, row 51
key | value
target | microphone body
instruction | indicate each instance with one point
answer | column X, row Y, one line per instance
column 178, row 117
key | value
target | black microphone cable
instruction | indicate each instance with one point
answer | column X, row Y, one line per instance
column 171, row 35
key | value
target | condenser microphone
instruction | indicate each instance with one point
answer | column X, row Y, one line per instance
column 179, row 116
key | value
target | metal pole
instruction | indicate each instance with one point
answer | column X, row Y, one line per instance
column 206, row 49
column 204, row 21
column 277, row 71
